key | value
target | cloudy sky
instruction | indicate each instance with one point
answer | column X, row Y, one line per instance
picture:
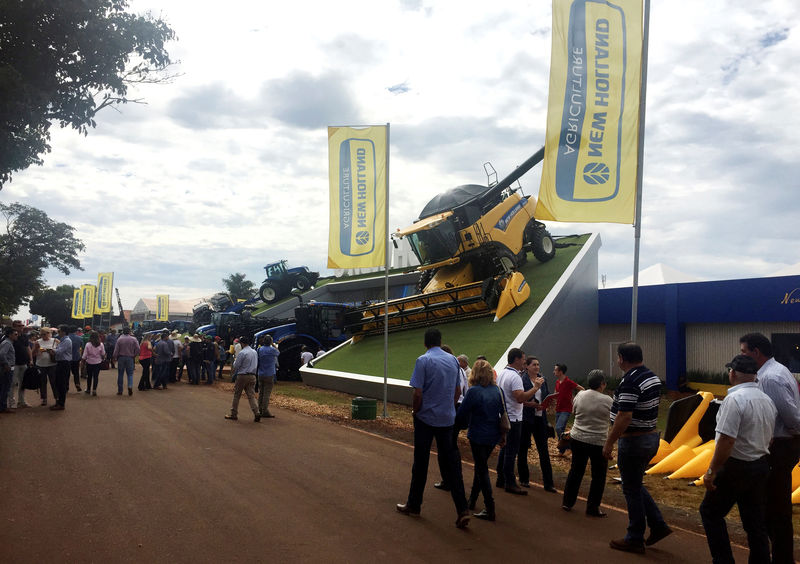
column 225, row 169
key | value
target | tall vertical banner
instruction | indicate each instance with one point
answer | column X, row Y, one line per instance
column 77, row 304
column 162, row 307
column 358, row 187
column 591, row 147
column 87, row 300
column 105, row 284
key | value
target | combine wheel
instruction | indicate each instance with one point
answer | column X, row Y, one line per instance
column 268, row 293
column 507, row 259
column 543, row 246
column 302, row 283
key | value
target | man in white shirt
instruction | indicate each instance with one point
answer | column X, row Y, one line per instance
column 510, row 382
column 740, row 465
column 775, row 380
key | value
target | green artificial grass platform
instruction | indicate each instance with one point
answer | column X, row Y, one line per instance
column 472, row 337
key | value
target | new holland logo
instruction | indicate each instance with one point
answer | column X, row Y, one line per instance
column 362, row 237
column 596, row 173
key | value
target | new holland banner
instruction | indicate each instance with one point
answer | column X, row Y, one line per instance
column 105, row 282
column 77, row 305
column 590, row 162
column 87, row 300
column 357, row 170
column 162, row 305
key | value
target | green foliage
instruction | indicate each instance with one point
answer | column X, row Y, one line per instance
column 54, row 304
column 30, row 243
column 238, row 287
column 63, row 61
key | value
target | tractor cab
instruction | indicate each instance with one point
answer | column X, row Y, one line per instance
column 276, row 270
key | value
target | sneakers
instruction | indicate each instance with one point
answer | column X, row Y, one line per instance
column 230, row 417
column 658, row 534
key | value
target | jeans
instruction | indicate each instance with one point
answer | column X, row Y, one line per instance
column 507, row 456
column 75, row 369
column 173, row 370
column 5, row 385
column 124, row 364
column 246, row 382
column 62, row 381
column 783, row 456
column 633, row 455
column 92, row 376
column 194, row 371
column 265, row 391
column 539, row 432
column 561, row 424
column 481, row 483
column 144, row 381
column 423, row 438
column 161, row 375
column 211, row 371
column 47, row 374
column 581, row 454
column 744, row 484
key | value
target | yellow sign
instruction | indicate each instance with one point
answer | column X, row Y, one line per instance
column 591, row 148
column 357, row 171
column 162, row 311
column 105, row 283
column 87, row 300
column 77, row 304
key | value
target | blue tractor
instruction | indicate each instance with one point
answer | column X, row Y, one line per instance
column 281, row 280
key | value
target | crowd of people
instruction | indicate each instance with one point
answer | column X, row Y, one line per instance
column 757, row 441
column 757, row 434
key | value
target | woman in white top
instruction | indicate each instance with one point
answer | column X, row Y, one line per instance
column 587, row 437
column 44, row 354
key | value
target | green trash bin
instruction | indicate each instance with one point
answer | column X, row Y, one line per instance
column 363, row 408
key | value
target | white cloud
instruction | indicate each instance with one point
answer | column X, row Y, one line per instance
column 225, row 169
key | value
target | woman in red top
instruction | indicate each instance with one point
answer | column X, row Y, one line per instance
column 564, row 388
column 145, row 357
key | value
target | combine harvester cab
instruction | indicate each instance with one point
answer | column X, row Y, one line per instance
column 469, row 241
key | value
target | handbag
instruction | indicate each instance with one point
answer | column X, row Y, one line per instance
column 505, row 423
column 31, row 378
column 564, row 441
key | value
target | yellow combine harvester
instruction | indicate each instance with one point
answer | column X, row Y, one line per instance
column 469, row 241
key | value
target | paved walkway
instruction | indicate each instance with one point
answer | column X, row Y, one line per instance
column 162, row 477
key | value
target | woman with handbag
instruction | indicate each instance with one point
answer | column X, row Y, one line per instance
column 145, row 358
column 44, row 354
column 93, row 355
column 483, row 413
column 587, row 437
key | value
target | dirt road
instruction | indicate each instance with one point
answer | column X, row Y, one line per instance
column 162, row 477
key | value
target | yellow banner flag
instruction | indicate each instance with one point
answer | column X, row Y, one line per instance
column 357, row 171
column 105, row 283
column 87, row 300
column 591, row 148
column 77, row 304
column 162, row 311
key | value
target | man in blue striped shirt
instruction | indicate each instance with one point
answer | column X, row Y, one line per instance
column 634, row 415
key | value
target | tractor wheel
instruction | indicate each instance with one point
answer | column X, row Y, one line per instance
column 268, row 293
column 543, row 246
column 425, row 277
column 302, row 283
column 506, row 259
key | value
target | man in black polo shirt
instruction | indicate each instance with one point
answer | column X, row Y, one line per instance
column 634, row 415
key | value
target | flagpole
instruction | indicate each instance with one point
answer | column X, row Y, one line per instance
column 637, row 235
column 386, row 285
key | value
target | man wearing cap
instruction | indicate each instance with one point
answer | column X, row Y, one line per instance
column 739, row 467
column 63, row 361
column 163, row 352
column 775, row 380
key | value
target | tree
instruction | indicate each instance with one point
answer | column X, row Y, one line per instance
column 54, row 304
column 238, row 287
column 63, row 61
column 31, row 243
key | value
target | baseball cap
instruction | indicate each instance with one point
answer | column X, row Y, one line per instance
column 744, row 364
